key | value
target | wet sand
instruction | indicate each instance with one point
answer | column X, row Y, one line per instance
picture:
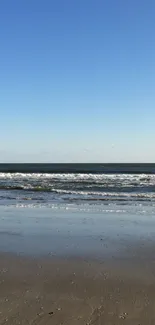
column 101, row 270
column 76, row 291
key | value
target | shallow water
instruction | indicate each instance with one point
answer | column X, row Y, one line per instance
column 73, row 232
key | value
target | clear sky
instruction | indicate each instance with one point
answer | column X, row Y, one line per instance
column 77, row 81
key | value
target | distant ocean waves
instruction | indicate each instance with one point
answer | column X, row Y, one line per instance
column 77, row 187
column 98, row 168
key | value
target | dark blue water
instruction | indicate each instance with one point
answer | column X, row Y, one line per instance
column 47, row 184
column 79, row 168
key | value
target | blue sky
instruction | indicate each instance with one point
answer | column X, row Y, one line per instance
column 77, row 81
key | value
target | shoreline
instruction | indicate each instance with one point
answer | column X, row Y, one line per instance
column 70, row 233
column 76, row 268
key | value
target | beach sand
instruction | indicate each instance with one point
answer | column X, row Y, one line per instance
column 74, row 291
column 67, row 268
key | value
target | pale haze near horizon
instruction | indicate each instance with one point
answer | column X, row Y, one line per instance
column 77, row 81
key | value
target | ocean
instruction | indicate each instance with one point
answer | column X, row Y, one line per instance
column 55, row 185
column 76, row 209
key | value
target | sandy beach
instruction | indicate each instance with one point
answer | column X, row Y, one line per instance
column 63, row 268
column 75, row 291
